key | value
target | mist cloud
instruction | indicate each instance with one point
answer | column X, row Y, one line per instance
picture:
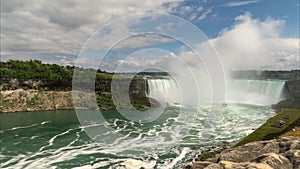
column 255, row 44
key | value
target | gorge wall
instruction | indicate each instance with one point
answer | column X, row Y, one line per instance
column 33, row 95
column 293, row 87
column 34, row 100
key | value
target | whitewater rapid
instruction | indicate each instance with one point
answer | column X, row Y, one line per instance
column 56, row 140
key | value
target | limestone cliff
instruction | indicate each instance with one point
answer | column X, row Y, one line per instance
column 294, row 87
column 33, row 100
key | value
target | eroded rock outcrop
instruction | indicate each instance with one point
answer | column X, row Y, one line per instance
column 273, row 154
column 33, row 100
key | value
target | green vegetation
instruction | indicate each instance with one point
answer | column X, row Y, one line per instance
column 104, row 100
column 34, row 69
column 36, row 75
column 268, row 131
column 206, row 155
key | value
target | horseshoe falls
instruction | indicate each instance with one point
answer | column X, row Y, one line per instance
column 263, row 92
column 257, row 92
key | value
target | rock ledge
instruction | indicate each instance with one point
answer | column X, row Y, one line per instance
column 281, row 153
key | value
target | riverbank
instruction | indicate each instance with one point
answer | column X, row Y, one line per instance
column 284, row 121
column 21, row 100
column 257, row 149
column 283, row 153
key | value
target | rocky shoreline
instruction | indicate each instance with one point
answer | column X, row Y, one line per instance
column 283, row 153
column 259, row 150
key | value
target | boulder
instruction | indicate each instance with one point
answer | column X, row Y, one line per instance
column 248, row 151
column 276, row 161
column 281, row 153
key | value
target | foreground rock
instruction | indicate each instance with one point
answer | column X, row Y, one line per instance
column 283, row 153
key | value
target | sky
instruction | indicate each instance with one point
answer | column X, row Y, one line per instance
column 250, row 34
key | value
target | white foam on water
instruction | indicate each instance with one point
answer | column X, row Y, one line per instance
column 45, row 122
column 24, row 127
column 51, row 141
column 147, row 144
column 137, row 164
column 177, row 159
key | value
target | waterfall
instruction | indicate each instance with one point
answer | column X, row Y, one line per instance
column 264, row 92
column 259, row 92
column 163, row 90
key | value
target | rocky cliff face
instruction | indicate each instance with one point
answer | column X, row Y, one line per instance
column 294, row 88
column 32, row 95
column 273, row 154
column 33, row 100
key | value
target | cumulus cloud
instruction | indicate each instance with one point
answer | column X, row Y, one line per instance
column 255, row 44
column 61, row 27
column 249, row 44
column 31, row 29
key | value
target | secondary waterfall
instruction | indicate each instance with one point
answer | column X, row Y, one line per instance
column 163, row 90
column 263, row 92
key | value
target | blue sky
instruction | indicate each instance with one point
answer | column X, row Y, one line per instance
column 224, row 12
column 56, row 31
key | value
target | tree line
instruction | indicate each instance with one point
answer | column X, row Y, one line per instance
column 35, row 69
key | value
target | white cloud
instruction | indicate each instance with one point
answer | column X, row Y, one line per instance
column 142, row 41
column 51, row 27
column 256, row 44
column 204, row 14
column 249, row 44
column 240, row 3
column 47, row 28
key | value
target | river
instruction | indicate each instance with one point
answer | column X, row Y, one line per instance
column 55, row 139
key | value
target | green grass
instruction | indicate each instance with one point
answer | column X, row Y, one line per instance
column 268, row 131
column 207, row 155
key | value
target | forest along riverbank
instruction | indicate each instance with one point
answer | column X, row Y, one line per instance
column 33, row 85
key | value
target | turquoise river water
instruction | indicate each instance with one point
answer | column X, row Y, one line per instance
column 55, row 139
